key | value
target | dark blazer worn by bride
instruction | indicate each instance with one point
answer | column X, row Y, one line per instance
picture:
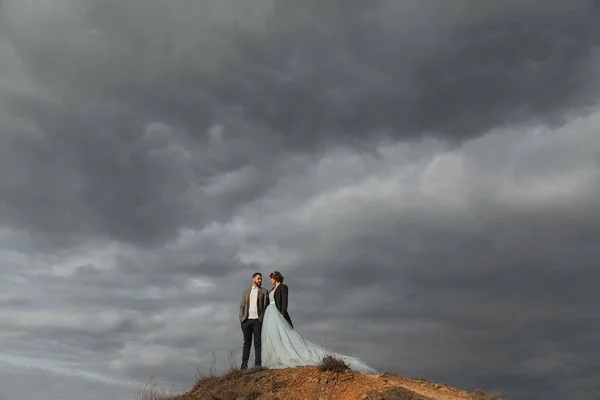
column 281, row 301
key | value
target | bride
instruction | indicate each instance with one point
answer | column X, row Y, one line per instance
column 282, row 346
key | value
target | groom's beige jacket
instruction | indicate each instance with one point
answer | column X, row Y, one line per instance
column 262, row 299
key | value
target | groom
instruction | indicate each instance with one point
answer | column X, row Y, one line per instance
column 252, row 309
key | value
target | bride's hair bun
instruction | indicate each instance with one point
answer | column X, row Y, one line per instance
column 277, row 276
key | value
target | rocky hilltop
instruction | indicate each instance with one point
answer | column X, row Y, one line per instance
column 325, row 382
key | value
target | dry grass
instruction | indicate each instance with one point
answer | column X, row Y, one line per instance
column 392, row 373
column 481, row 395
column 151, row 391
column 330, row 363
column 417, row 379
column 234, row 384
column 395, row 393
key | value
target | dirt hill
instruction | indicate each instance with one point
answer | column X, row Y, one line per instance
column 318, row 383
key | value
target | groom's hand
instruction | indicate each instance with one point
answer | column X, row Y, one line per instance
column 266, row 299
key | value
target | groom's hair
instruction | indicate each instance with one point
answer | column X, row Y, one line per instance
column 256, row 274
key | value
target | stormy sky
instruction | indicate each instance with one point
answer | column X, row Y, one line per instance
column 425, row 174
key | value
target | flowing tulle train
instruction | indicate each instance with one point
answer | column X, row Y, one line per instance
column 283, row 347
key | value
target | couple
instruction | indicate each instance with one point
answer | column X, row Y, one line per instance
column 265, row 318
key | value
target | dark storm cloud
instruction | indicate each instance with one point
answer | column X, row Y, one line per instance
column 500, row 280
column 102, row 174
column 155, row 154
column 344, row 69
column 362, row 71
column 277, row 77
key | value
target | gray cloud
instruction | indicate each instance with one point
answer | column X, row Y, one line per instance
column 429, row 170
column 116, row 127
column 35, row 383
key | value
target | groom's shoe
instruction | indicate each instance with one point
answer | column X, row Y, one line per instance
column 244, row 366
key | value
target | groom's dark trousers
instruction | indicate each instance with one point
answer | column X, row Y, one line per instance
column 252, row 328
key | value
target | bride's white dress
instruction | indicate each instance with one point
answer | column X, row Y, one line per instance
column 283, row 347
